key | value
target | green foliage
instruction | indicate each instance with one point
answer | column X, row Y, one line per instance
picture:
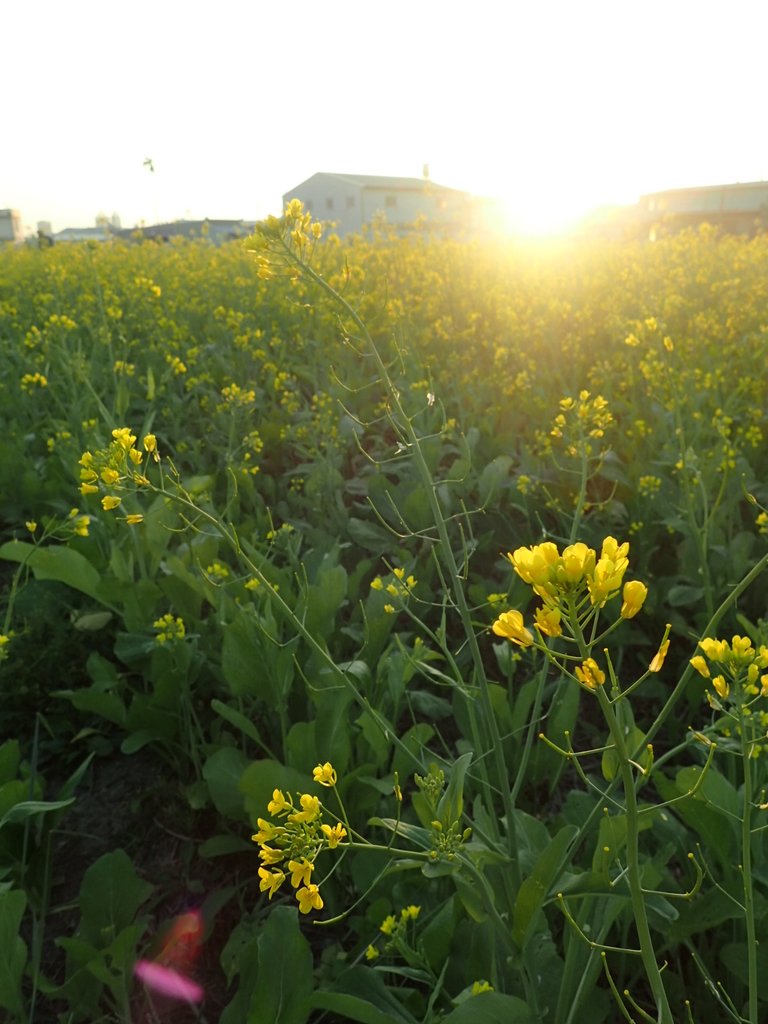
column 349, row 438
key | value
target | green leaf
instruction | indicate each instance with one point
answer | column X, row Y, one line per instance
column 493, row 477
column 238, row 719
column 55, row 563
column 28, row 808
column 92, row 621
column 324, row 599
column 367, row 986
column 347, row 1007
column 253, row 664
column 261, row 778
column 536, row 887
column 94, row 701
column 332, row 731
column 13, row 952
column 10, row 756
column 451, row 805
column 284, row 979
column 414, row 740
column 684, row 594
column 491, row 1008
column 610, row 763
column 222, row 772
column 369, row 536
column 110, row 896
column 223, row 845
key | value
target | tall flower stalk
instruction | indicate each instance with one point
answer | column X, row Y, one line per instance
column 574, row 586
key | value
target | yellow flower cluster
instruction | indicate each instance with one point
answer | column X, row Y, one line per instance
column 573, row 585
column 169, row 629
column 118, row 466
column 30, row 381
column 399, row 585
column 394, row 927
column 739, row 668
column 579, row 419
column 556, row 577
column 290, row 846
column 78, row 523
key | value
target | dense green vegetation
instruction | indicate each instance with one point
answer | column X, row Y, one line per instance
column 392, row 554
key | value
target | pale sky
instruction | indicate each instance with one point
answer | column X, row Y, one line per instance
column 554, row 106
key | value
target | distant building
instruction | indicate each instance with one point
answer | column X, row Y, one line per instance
column 11, row 228
column 102, row 233
column 740, row 209
column 353, row 200
column 217, row 231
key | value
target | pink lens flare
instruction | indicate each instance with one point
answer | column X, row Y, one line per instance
column 167, row 982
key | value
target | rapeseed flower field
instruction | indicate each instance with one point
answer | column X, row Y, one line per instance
column 412, row 587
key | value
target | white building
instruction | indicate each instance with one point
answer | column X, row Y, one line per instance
column 353, row 200
column 11, row 228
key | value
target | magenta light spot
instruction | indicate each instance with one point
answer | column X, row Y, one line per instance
column 167, row 982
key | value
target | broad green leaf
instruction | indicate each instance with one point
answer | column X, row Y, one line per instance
column 94, row 701
column 491, row 1008
column 261, row 778
column 284, row 979
column 610, row 764
column 222, row 772
column 238, row 719
column 92, row 621
column 223, row 845
column 324, row 599
column 332, row 732
column 55, row 563
column 684, row 594
column 414, row 740
column 13, row 952
column 367, row 985
column 451, row 805
column 29, row 808
column 347, row 1007
column 369, row 536
column 110, row 896
column 493, row 477
column 534, row 889
column 10, row 756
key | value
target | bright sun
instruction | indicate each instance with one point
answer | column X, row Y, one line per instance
column 543, row 212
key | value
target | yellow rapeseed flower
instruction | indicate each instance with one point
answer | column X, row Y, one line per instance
column 325, row 774
column 278, row 803
column 510, row 625
column 633, row 598
column 310, row 809
column 547, row 621
column 334, row 834
column 590, row 674
column 309, row 899
column 270, row 881
column 301, row 871
column 658, row 659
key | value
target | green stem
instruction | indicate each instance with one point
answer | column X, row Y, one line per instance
column 746, row 871
column 452, row 568
column 583, row 479
column 647, row 952
column 729, row 601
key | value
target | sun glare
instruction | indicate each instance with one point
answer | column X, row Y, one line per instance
column 541, row 214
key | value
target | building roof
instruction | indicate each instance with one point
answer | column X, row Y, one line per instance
column 383, row 182
column 737, row 197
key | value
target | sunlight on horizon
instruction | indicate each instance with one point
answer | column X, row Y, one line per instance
column 555, row 111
